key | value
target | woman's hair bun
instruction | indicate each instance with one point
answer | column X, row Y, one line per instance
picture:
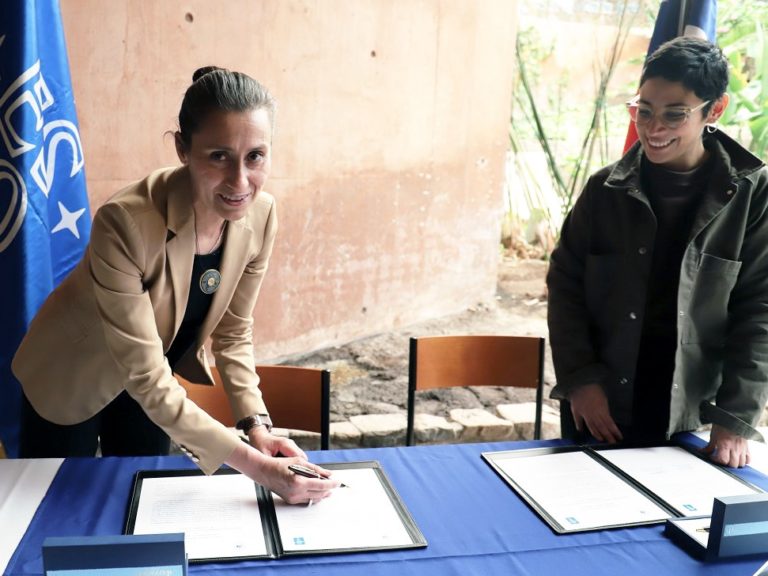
column 200, row 72
column 218, row 89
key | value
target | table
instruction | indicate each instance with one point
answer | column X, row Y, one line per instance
column 474, row 523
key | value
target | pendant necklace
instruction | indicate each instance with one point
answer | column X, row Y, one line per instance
column 210, row 280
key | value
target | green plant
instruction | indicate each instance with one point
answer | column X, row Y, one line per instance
column 741, row 35
column 568, row 164
column 561, row 165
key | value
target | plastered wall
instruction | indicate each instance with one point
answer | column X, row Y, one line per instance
column 388, row 155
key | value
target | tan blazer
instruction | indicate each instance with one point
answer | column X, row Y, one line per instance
column 107, row 327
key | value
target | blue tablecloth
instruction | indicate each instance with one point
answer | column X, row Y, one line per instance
column 474, row 522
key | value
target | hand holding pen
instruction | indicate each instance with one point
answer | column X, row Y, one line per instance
column 309, row 473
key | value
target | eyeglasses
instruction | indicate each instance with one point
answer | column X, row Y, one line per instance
column 672, row 117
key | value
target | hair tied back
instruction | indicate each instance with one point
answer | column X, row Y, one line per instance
column 200, row 72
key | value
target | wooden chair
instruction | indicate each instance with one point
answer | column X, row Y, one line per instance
column 447, row 361
column 297, row 398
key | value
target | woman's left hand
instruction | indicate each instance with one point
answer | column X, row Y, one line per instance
column 271, row 445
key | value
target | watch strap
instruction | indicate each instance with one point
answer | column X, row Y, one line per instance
column 250, row 422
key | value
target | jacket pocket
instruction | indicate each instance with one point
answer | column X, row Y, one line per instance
column 706, row 319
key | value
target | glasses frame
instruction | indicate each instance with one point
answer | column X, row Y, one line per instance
column 635, row 103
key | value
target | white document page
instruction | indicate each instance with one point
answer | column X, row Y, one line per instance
column 23, row 484
column 358, row 516
column 578, row 492
column 218, row 514
column 684, row 481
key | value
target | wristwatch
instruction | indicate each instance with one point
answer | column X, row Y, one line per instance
column 250, row 422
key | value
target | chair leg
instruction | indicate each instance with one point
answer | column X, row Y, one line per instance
column 411, row 391
column 539, row 391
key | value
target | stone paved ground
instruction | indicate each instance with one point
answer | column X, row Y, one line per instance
column 370, row 376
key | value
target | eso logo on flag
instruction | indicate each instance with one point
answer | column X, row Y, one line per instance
column 29, row 94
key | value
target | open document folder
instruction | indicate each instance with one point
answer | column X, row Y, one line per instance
column 227, row 517
column 577, row 488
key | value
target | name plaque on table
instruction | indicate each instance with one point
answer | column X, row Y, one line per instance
column 738, row 527
column 122, row 555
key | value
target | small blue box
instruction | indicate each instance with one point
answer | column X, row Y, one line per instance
column 124, row 555
column 738, row 527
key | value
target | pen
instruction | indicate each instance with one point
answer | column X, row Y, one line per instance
column 308, row 473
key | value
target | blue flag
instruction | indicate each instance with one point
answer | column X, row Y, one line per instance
column 44, row 216
column 679, row 18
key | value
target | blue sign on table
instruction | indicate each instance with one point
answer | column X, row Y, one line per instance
column 148, row 555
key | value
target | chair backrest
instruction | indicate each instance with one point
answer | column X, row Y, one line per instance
column 297, row 398
column 447, row 361
column 212, row 399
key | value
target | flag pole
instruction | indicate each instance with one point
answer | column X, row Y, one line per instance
column 681, row 19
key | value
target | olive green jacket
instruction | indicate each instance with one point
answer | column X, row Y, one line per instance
column 598, row 280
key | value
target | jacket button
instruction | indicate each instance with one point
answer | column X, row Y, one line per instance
column 623, row 380
column 682, row 313
column 729, row 192
column 675, row 386
column 642, row 250
column 632, row 316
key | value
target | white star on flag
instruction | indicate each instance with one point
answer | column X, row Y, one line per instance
column 68, row 220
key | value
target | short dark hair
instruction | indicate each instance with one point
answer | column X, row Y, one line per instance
column 698, row 64
column 216, row 88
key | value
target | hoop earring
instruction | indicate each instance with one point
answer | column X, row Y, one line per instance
column 711, row 128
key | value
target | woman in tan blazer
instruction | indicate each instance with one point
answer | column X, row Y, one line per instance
column 173, row 260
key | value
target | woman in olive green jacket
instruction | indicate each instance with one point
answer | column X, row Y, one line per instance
column 658, row 288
